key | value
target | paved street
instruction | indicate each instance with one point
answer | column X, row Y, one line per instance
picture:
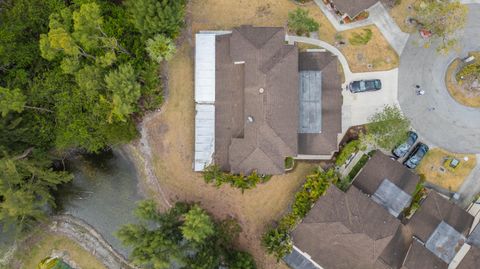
column 436, row 116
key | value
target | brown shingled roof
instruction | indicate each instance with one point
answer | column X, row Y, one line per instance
column 432, row 211
column 326, row 142
column 420, row 257
column 345, row 230
column 263, row 61
column 381, row 167
column 353, row 7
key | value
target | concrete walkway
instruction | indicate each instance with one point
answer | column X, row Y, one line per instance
column 378, row 16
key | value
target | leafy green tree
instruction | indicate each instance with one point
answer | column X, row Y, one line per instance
column 125, row 91
column 197, row 226
column 443, row 18
column 11, row 100
column 387, row 128
column 25, row 185
column 301, row 23
column 277, row 242
column 160, row 48
column 184, row 235
column 152, row 17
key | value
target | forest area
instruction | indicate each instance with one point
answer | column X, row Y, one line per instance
column 74, row 77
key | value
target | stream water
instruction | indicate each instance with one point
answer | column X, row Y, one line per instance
column 104, row 193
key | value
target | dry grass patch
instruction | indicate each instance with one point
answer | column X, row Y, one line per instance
column 401, row 12
column 436, row 169
column 41, row 245
column 376, row 55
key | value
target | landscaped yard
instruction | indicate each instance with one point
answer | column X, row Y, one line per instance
column 376, row 55
column 462, row 90
column 171, row 138
column 171, row 132
column 435, row 167
column 41, row 245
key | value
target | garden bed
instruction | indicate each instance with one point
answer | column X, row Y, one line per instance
column 464, row 89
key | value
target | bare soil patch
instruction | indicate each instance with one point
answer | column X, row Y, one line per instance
column 401, row 12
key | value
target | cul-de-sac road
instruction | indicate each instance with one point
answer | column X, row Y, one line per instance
column 436, row 116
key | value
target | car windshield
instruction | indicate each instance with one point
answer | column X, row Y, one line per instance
column 362, row 85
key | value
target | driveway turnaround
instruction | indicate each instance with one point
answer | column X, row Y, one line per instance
column 436, row 116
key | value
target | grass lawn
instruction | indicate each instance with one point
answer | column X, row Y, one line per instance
column 41, row 244
column 401, row 12
column 376, row 55
column 450, row 179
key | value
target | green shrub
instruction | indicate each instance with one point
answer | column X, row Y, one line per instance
column 289, row 163
column 347, row 150
column 301, row 23
column 213, row 174
column 344, row 183
column 468, row 70
column 277, row 241
column 361, row 39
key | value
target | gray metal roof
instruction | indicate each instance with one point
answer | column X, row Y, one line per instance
column 310, row 101
column 205, row 68
column 445, row 242
column 299, row 260
column 391, row 197
column 204, row 135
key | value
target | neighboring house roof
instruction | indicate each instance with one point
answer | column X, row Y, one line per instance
column 319, row 104
column 435, row 209
column 445, row 242
column 345, row 230
column 353, row 7
column 256, row 100
column 471, row 259
column 381, row 167
column 420, row 257
column 394, row 254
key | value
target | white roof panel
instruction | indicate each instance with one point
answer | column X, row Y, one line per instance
column 205, row 68
column 204, row 135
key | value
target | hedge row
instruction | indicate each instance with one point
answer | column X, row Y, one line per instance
column 213, row 174
column 277, row 240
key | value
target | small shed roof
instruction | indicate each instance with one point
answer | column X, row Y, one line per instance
column 204, row 135
column 205, row 67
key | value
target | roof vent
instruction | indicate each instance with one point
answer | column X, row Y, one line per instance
column 261, row 90
column 250, row 119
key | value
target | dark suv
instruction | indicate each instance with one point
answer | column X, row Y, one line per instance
column 365, row 85
column 416, row 156
column 402, row 149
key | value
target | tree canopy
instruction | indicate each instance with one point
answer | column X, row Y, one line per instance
column 387, row 128
column 301, row 23
column 73, row 75
column 186, row 236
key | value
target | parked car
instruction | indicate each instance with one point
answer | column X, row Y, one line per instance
column 416, row 156
column 402, row 149
column 365, row 85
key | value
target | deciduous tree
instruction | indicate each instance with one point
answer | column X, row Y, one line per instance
column 160, row 48
column 388, row 127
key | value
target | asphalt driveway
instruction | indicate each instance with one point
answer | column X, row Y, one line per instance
column 436, row 116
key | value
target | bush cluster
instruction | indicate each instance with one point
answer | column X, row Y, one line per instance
column 347, row 150
column 213, row 174
column 300, row 22
column 277, row 240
